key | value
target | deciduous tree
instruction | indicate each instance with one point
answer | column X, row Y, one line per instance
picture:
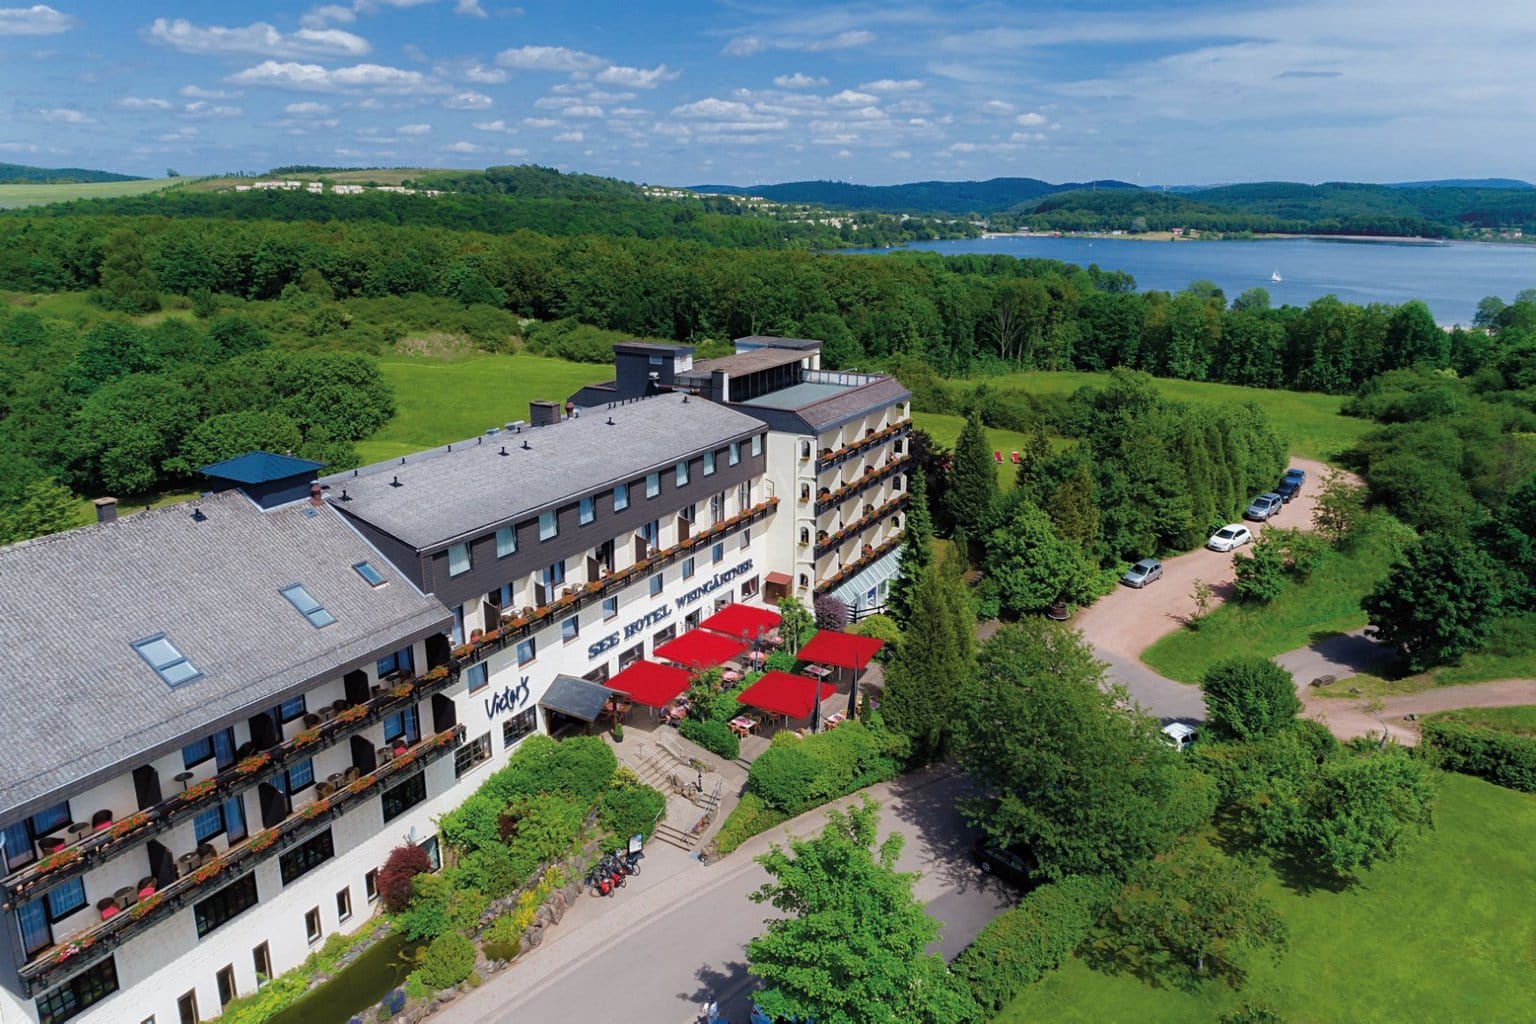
column 1249, row 698
column 1436, row 603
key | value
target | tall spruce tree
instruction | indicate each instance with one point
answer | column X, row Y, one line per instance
column 935, row 661
column 972, row 477
column 916, row 549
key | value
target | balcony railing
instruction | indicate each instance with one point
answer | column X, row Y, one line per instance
column 859, row 525
column 842, row 575
column 829, row 458
column 868, row 480
column 93, row 943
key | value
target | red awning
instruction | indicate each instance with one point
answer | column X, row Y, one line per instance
column 778, row 579
column 740, row 620
column 845, row 650
column 700, row 649
column 785, row 693
column 649, row 683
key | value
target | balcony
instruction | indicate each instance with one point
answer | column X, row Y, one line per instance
column 93, row 943
column 842, row 575
column 516, row 625
column 829, row 458
column 826, row 542
column 870, row 478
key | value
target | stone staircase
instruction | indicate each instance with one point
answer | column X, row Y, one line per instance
column 695, row 819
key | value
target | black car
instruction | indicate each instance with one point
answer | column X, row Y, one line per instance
column 1288, row 489
column 1012, row 864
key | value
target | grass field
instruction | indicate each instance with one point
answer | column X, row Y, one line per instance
column 16, row 196
column 437, row 402
column 1520, row 720
column 1310, row 422
column 1328, row 602
column 1445, row 934
column 1509, row 654
column 945, row 430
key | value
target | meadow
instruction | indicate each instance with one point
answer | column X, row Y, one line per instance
column 13, row 197
column 1445, row 934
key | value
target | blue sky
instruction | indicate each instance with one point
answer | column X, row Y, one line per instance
column 743, row 92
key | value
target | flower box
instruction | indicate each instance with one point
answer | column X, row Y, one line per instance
column 262, row 840
column 199, row 790
column 399, row 690
column 353, row 714
column 208, row 871
column 462, row 651
column 60, row 859
column 310, row 736
column 144, row 907
column 315, row 809
column 132, row 823
column 253, row 764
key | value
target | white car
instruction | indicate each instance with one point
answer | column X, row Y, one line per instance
column 1233, row 535
column 1178, row 735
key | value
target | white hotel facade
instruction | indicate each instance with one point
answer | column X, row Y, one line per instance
column 257, row 695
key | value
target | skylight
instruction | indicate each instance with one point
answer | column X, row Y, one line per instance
column 165, row 659
column 371, row 575
column 311, row 609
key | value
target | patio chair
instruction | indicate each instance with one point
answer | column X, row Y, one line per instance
column 997, row 457
column 1016, row 459
column 101, row 820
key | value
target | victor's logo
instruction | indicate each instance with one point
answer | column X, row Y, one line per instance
column 511, row 698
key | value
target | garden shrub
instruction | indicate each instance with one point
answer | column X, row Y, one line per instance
column 1503, row 758
column 449, row 959
column 438, row 905
column 750, row 817
column 1019, row 946
column 491, row 869
column 779, row 661
column 403, row 864
column 715, row 737
column 629, row 806
column 882, row 628
column 579, row 767
column 795, row 774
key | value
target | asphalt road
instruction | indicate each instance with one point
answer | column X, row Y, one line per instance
column 656, row 956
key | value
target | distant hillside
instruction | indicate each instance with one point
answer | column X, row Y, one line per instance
column 1464, row 183
column 21, row 174
column 951, row 197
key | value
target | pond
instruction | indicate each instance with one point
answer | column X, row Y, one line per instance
column 357, row 986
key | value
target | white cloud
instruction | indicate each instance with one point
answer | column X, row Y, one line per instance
column 893, row 85
column 998, row 107
column 324, row 15
column 197, row 92
column 841, row 41
column 314, row 78
column 484, row 75
column 541, row 122
column 849, row 98
column 798, row 80
column 464, row 147
column 713, row 108
column 497, row 125
column 37, row 20
column 515, row 152
column 1032, row 119
column 569, row 137
column 414, row 129
column 901, row 154
column 469, row 100
column 469, row 9
column 744, row 46
column 308, row 108
column 583, row 110
column 636, row 78
column 65, row 115
column 142, row 103
column 548, row 58
column 202, row 108
column 259, row 38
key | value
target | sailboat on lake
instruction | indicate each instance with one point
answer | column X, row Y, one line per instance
column 1274, row 276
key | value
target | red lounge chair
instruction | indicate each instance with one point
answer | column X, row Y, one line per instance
column 997, row 457
column 1016, row 459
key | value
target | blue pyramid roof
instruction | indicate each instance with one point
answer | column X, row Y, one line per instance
column 261, row 468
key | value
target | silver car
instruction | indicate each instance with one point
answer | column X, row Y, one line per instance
column 1264, row 506
column 1143, row 572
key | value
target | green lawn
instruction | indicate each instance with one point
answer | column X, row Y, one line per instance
column 1445, row 934
column 945, row 430
column 1310, row 422
column 1328, row 602
column 16, row 196
column 1520, row 720
column 1509, row 654
column 438, row 402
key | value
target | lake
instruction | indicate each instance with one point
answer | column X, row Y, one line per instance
column 1450, row 278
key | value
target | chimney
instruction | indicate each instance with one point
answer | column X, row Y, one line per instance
column 106, row 510
column 316, row 495
column 543, row 414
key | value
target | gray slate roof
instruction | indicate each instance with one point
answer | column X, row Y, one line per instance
column 445, row 496
column 754, row 361
column 78, row 704
column 774, row 341
column 853, row 402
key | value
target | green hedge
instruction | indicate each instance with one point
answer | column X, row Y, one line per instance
column 629, row 806
column 796, row 774
column 1500, row 757
column 715, row 737
column 749, row 817
column 448, row 960
column 1020, row 945
column 579, row 767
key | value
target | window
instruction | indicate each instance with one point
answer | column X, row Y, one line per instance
column 308, row 607
column 554, row 574
column 651, row 533
column 208, row 824
column 709, row 463
column 312, row 924
column 717, row 553
column 51, row 820
column 717, row 509
column 16, row 840
column 477, row 676
column 305, row 857
column 456, row 631
column 84, row 990
column 586, row 511
column 261, row 958
column 518, row 726
column 749, row 588
column 746, row 540
column 220, row 746
column 656, row 585
column 228, row 903
column 687, row 568
column 744, row 495
column 629, row 657
column 652, row 484
column 549, row 524
column 458, row 559
column 692, row 620
column 170, row 663
column 757, row 446
column 401, row 661
column 186, row 1007
column 404, row 796
column 662, row 636
column 403, row 726
column 570, row 628
column 610, row 607
column 225, row 980
column 506, row 541
column 620, row 497
column 434, row 853
column 735, row 453
column 525, row 651
column 344, row 904
column 288, row 710
column 682, row 474
column 299, row 777
column 476, row 751
column 370, row 575
column 371, row 885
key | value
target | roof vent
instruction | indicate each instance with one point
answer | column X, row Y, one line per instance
column 526, row 446
column 197, row 515
column 610, row 421
column 396, row 482
column 450, row 447
column 344, row 495
column 503, row 450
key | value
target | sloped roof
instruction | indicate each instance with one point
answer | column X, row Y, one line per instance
column 260, row 468
column 77, row 702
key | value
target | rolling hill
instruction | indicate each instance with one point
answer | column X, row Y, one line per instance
column 21, row 174
column 952, row 197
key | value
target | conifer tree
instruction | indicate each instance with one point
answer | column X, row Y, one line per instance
column 916, row 549
column 972, row 477
column 935, row 661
